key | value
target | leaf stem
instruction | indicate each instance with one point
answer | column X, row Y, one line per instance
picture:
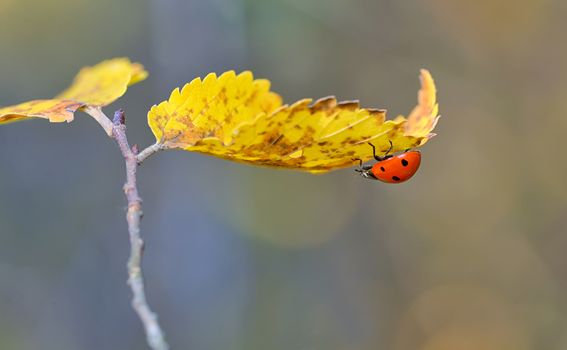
column 154, row 334
column 100, row 117
column 149, row 151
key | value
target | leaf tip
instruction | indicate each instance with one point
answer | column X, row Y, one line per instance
column 324, row 103
column 351, row 105
column 230, row 74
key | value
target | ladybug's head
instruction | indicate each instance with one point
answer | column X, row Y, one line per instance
column 366, row 172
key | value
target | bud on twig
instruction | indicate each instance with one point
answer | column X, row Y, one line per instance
column 119, row 117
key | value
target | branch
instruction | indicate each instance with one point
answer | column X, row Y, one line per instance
column 154, row 334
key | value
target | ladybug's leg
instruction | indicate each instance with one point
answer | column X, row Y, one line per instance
column 361, row 168
column 378, row 158
column 389, row 149
column 374, row 152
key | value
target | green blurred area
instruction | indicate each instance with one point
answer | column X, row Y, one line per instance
column 467, row 255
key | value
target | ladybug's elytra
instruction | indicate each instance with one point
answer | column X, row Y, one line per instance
column 391, row 169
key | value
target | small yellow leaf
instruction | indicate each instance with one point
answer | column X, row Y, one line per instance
column 95, row 87
column 104, row 83
column 237, row 118
column 55, row 110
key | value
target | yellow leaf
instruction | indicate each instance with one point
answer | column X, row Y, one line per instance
column 237, row 118
column 104, row 83
column 95, row 87
column 55, row 110
column 211, row 107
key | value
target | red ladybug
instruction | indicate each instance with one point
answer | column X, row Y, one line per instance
column 391, row 169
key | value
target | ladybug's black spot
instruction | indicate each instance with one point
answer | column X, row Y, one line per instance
column 404, row 162
column 382, row 168
column 395, row 178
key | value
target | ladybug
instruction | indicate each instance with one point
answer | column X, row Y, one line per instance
column 389, row 168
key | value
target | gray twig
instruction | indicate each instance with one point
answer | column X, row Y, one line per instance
column 154, row 334
column 149, row 151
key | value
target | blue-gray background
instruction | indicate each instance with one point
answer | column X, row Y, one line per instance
column 470, row 254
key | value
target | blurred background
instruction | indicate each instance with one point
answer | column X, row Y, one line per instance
column 470, row 254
